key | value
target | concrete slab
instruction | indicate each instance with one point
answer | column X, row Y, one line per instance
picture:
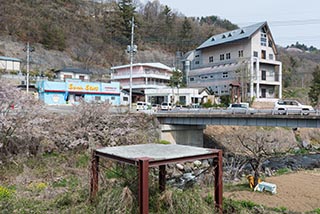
column 155, row 151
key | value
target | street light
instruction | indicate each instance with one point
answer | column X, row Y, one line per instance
column 28, row 49
column 132, row 49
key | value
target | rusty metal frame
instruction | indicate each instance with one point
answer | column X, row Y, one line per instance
column 143, row 164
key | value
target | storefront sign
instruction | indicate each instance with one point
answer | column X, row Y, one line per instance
column 87, row 87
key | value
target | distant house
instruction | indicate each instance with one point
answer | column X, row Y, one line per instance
column 10, row 64
column 144, row 76
column 73, row 73
column 241, row 63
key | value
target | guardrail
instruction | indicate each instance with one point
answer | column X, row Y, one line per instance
column 240, row 111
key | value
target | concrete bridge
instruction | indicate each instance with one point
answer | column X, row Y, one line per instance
column 187, row 127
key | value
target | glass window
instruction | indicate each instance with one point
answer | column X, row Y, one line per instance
column 228, row 56
column 225, row 75
column 197, row 62
column 191, row 79
column 97, row 98
column 211, row 59
column 125, row 99
column 221, row 56
column 271, row 56
column 240, row 53
column 255, row 53
column 263, row 39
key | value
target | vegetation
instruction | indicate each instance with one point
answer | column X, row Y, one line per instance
column 314, row 92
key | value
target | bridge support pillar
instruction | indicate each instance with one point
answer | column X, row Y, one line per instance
column 191, row 135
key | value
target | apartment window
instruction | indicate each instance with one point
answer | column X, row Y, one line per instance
column 211, row 59
column 263, row 39
column 263, row 54
column 221, row 56
column 67, row 76
column 228, row 56
column 271, row 56
column 255, row 53
column 225, row 75
column 263, row 75
column 240, row 53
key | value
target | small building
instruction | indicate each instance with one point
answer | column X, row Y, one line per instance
column 73, row 90
column 73, row 73
column 144, row 76
column 182, row 96
column 10, row 64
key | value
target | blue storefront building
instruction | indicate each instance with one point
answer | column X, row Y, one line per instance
column 72, row 91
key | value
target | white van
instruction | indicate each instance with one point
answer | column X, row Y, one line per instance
column 142, row 106
column 166, row 106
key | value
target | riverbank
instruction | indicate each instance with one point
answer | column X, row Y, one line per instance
column 297, row 192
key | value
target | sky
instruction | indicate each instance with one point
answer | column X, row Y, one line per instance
column 289, row 20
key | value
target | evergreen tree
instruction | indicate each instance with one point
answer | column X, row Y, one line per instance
column 127, row 10
column 314, row 93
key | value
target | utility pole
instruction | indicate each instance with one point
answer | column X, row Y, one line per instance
column 28, row 49
column 132, row 49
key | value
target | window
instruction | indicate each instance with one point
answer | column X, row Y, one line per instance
column 81, row 77
column 197, row 62
column 263, row 75
column 263, row 39
column 212, row 39
column 197, row 55
column 97, row 98
column 67, row 76
column 113, row 98
column 221, row 56
column 228, row 55
column 255, row 53
column 211, row 59
column 191, row 79
column 271, row 56
column 225, row 75
column 125, row 98
column 223, row 36
column 240, row 53
column 263, row 54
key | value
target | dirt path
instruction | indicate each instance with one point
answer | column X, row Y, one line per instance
column 298, row 192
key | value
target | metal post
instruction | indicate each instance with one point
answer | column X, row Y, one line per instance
column 162, row 178
column 144, row 185
column 28, row 60
column 94, row 176
column 218, row 187
column 131, row 62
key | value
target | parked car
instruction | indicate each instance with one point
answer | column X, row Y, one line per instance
column 166, row 106
column 287, row 106
column 142, row 106
column 155, row 107
column 243, row 108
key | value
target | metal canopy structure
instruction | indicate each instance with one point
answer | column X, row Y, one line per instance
column 151, row 155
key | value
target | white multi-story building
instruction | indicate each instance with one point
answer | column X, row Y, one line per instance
column 245, row 58
column 144, row 76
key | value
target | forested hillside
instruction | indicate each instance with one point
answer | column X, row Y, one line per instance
column 94, row 35
column 97, row 34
